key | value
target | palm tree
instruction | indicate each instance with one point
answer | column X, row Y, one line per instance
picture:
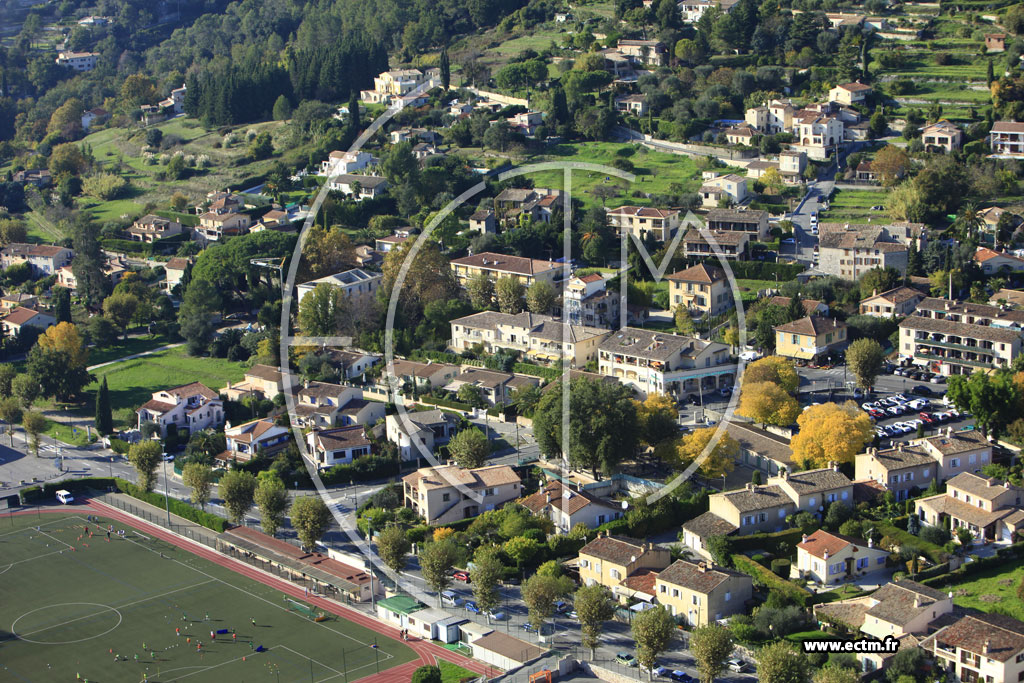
column 969, row 222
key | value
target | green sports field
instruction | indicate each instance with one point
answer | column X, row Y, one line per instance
column 69, row 612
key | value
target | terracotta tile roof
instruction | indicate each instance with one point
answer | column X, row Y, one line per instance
column 563, row 498
column 697, row 577
column 446, row 476
column 506, row 264
column 897, row 295
column 757, row 498
column 193, row 389
column 850, row 613
column 20, row 316
column 613, row 549
column 155, row 406
column 958, row 442
column 250, row 431
column 760, row 441
column 725, row 237
column 643, row 212
column 812, row 325
column 983, row 254
column 342, row 437
column 176, row 263
column 1007, row 127
column 901, row 603
column 947, row 505
column 945, row 306
column 264, row 372
column 985, row 488
column 981, row 332
column 814, row 481
column 736, row 215
column 810, row 305
column 821, row 541
column 993, row 635
column 653, row 345
column 709, row 524
column 900, row 457
column 701, row 272
column 641, row 581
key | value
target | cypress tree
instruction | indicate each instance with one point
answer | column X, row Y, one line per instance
column 353, row 111
column 63, row 305
column 104, row 418
column 446, row 69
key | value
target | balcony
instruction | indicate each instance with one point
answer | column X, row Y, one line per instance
column 955, row 346
column 956, row 361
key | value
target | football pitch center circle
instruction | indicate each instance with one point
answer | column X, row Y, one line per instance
column 72, row 618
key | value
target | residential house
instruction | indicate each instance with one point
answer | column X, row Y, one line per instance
column 9, row 302
column 151, row 228
column 263, row 382
column 352, row 363
column 174, row 271
column 815, row 490
column 416, row 432
column 1012, row 298
column 864, row 173
column 113, row 268
column 772, row 118
column 994, row 262
column 754, row 222
column 337, row 446
column 758, row 168
column 849, row 93
column 760, row 449
column 699, row 593
column 958, row 452
column 220, row 203
column 979, row 647
column 525, row 122
column 810, row 338
column 635, row 104
column 215, row 226
column 904, row 470
column 43, row 259
column 644, row 221
column 942, row 135
column 587, row 301
column 722, row 244
column 483, row 222
column 538, row 337
column 495, row 266
column 439, row 494
column 828, row 558
column 700, row 289
column 21, row 318
column 39, row 177
column 175, row 103
column 258, row 437
column 386, row 244
column 817, row 135
column 658, row 362
column 993, row 215
column 78, row 61
column 339, row 162
column 537, row 203
column 810, row 306
column 644, row 52
column 422, row 377
column 493, row 386
column 698, row 530
column 791, row 165
column 894, row 303
column 359, row 187
column 94, row 116
column 608, row 560
column 728, row 189
column 189, row 407
column 325, row 405
column 989, row 509
column 354, row 284
column 849, row 252
column 953, row 337
column 275, row 219
column 693, row 10
column 394, row 84
column 740, row 135
column 995, row 42
column 566, row 507
column 1006, row 138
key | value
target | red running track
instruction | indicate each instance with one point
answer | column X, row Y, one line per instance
column 428, row 652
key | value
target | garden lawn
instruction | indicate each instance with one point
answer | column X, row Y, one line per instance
column 453, row 673
column 127, row 347
column 750, row 288
column 854, row 206
column 996, row 586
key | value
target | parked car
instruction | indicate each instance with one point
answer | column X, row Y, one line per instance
column 527, row 626
column 562, row 606
column 737, row 665
column 895, row 411
column 471, row 607
column 725, row 391
column 461, row 576
column 858, row 392
column 497, row 615
column 168, row 457
column 937, row 379
column 450, row 598
column 922, row 390
column 626, row 659
column 681, row 676
column 867, row 406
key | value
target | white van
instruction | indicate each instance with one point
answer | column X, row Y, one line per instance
column 450, row 598
column 65, row 497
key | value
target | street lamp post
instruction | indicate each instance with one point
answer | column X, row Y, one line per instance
column 167, row 496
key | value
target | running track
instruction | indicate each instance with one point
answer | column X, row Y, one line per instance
column 428, row 652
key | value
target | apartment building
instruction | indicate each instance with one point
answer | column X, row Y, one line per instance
column 989, row 509
column 719, row 243
column 905, row 470
column 728, row 189
column 337, row 446
column 608, row 560
column 849, row 93
column 79, row 61
column 826, row 558
column 659, row 362
column 215, row 226
column 539, row 337
column 774, row 117
column 525, row 270
column 942, row 135
column 42, row 259
column 438, row 493
column 355, row 283
column 151, row 228
column 587, row 301
column 566, row 507
column 810, row 338
column 700, row 289
column 644, row 221
column 849, row 252
column 189, row 407
column 894, row 303
column 701, row 593
column 817, row 135
column 1006, row 138
column 754, row 508
column 814, row 490
column 257, row 437
column 698, row 530
column 979, row 647
column 417, row 431
column 753, row 222
column 954, row 338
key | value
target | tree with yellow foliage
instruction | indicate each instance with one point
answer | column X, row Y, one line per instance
column 768, row 403
column 775, row 369
column 66, row 338
column 720, row 462
column 443, row 533
column 830, row 432
column 656, row 419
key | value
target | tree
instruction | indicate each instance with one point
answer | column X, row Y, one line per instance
column 879, row 280
column 26, row 389
column 683, row 321
column 540, row 297
column 66, row 338
column 137, row 89
column 311, row 518
column 12, row 231
column 831, row 432
column 772, row 180
column 540, row 593
column 10, row 412
column 780, row 662
column 719, row 462
column 768, row 403
column 198, row 477
column 62, row 304
column 104, row 416
column 521, row 549
column 282, row 109
column 711, row 646
column 509, row 292
column 775, row 369
column 831, row 673
column 891, row 163
column 145, row 457
column 393, row 546
column 429, row 277
column 195, row 316
column 656, row 418
column 34, row 423
column 908, row 661
column 436, row 559
column 119, row 308
column 992, row 399
column 485, row 574
column 237, row 489
column 865, row 358
column 594, row 606
column 446, row 69
column 427, row 674
column 652, row 630
column 67, row 159
column 54, row 373
column 480, row 288
column 271, row 497
column 323, row 312
column 7, row 374
column 469, row 448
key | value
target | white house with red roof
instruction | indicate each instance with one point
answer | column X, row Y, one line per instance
column 190, row 407
column 828, row 558
column 661, row 224
column 849, row 93
column 992, row 262
column 257, row 437
column 22, row 317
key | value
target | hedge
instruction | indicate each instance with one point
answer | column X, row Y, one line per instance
column 765, row 577
column 537, row 371
column 188, row 219
column 757, row 270
column 767, row 541
column 1009, row 557
column 935, row 553
column 177, row 507
column 445, row 403
column 33, row 494
column 363, row 468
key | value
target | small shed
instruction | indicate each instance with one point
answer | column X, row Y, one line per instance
column 435, row 624
column 471, row 631
column 505, row 651
column 396, row 609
